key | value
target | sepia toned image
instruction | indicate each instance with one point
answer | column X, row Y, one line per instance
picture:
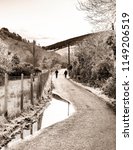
column 58, row 75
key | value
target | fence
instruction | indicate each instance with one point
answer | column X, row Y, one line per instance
column 19, row 95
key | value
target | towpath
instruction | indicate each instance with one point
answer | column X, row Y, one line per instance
column 91, row 127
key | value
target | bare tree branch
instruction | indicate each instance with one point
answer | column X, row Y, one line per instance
column 99, row 12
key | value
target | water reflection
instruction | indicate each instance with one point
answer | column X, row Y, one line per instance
column 55, row 112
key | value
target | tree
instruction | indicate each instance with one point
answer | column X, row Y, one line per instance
column 111, row 41
column 15, row 60
column 5, row 29
column 5, row 58
column 2, row 75
column 101, row 13
column 24, row 68
column 94, row 62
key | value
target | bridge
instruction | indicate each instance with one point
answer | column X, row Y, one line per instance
column 67, row 43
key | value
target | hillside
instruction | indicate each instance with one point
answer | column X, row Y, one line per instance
column 13, row 44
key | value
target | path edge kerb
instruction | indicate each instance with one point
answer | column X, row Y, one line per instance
column 58, row 97
column 111, row 105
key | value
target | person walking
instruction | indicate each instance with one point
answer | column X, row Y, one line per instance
column 56, row 73
column 65, row 73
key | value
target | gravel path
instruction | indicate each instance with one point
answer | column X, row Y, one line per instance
column 91, row 127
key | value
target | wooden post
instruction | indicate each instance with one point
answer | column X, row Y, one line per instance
column 31, row 89
column 38, row 124
column 68, row 108
column 112, row 26
column 39, row 88
column 31, row 129
column 6, row 96
column 69, row 55
column 69, row 59
column 41, row 83
column 51, row 81
column 22, row 94
column 21, row 134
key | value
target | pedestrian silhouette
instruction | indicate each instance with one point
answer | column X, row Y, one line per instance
column 56, row 73
column 65, row 73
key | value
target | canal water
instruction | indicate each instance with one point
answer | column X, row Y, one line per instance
column 57, row 111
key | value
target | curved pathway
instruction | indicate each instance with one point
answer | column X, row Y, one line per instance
column 91, row 127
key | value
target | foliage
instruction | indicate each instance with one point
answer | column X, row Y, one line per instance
column 111, row 41
column 24, row 68
column 5, row 56
column 94, row 62
column 37, row 70
column 11, row 44
column 64, row 65
column 6, row 33
column 99, row 12
column 110, row 87
column 15, row 60
column 102, row 70
column 2, row 75
column 5, row 29
column 51, row 62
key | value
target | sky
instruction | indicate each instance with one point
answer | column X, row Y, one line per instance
column 46, row 21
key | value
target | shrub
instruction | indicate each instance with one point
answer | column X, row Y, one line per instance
column 2, row 75
column 110, row 87
column 64, row 65
column 100, row 73
column 4, row 29
column 94, row 62
column 15, row 60
column 1, row 80
column 24, row 68
column 111, row 41
column 103, row 71
column 37, row 70
column 11, row 35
